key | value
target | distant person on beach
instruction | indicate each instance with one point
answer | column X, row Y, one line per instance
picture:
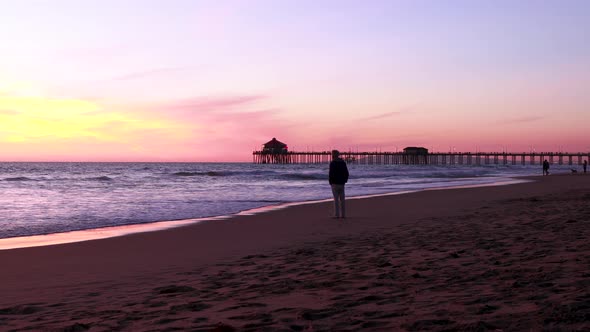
column 338, row 177
column 545, row 167
column 585, row 165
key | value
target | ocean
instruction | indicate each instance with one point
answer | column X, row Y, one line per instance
column 47, row 198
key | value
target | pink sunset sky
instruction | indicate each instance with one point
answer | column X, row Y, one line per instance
column 212, row 80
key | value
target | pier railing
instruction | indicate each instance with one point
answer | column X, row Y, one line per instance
column 437, row 158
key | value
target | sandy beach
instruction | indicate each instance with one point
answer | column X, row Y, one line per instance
column 499, row 258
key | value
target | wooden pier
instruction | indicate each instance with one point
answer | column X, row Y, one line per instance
column 400, row 158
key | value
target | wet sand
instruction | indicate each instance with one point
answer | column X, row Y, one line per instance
column 508, row 258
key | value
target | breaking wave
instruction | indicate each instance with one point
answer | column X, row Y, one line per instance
column 210, row 173
column 19, row 178
column 99, row 178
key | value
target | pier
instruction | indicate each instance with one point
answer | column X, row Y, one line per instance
column 436, row 158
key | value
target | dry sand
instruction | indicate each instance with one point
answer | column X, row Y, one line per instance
column 507, row 258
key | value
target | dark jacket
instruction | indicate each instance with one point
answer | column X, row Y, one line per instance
column 338, row 172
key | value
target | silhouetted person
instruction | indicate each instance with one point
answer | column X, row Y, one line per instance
column 338, row 177
column 545, row 167
column 585, row 165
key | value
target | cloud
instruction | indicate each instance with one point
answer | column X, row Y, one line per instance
column 214, row 103
column 257, row 115
column 147, row 73
column 520, row 120
column 401, row 111
column 382, row 116
column 227, row 127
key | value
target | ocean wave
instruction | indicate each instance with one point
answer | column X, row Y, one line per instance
column 19, row 178
column 99, row 178
column 78, row 193
column 295, row 176
column 455, row 175
column 210, row 173
column 256, row 172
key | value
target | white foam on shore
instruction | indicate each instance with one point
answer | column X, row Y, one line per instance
column 115, row 231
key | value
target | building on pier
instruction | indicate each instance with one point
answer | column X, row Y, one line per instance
column 274, row 146
column 415, row 155
column 416, row 150
column 275, row 152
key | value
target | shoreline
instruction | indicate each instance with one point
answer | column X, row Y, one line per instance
column 40, row 240
column 510, row 257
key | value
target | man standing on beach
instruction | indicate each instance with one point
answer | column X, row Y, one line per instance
column 545, row 167
column 338, row 177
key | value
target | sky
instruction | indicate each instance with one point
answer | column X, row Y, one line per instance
column 211, row 81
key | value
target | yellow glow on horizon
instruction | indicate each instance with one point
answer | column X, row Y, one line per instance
column 29, row 118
